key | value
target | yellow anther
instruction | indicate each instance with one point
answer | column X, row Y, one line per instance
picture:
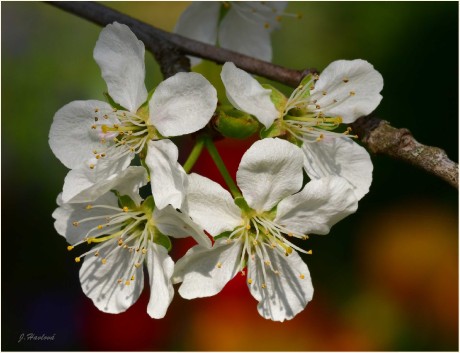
column 119, row 280
column 96, row 118
column 144, row 251
column 320, row 137
column 115, row 109
column 106, row 116
column 96, row 253
column 249, row 280
column 94, row 152
column 130, row 132
column 267, row 25
column 127, row 283
column 75, row 224
column 317, row 106
column 125, row 246
column 309, row 252
column 104, row 261
column 89, row 206
column 302, row 276
column 125, row 209
column 132, row 149
column 102, row 154
column 255, row 242
column 352, row 93
column 93, row 127
column 248, row 227
column 324, row 93
column 137, row 265
column 100, row 226
column 96, row 110
column 132, row 278
column 219, row 265
column 305, row 237
column 288, row 251
column 120, row 242
column 312, row 88
column 290, row 234
column 103, row 141
column 70, row 247
column 277, row 272
column 91, row 166
column 264, row 285
column 267, row 262
column 345, row 80
column 77, row 259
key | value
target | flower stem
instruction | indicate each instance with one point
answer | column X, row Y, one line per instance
column 221, row 166
column 193, row 156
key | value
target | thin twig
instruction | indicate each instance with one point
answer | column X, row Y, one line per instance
column 170, row 49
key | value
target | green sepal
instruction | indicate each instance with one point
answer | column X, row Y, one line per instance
column 276, row 130
column 112, row 102
column 223, row 235
column 278, row 98
column 148, row 205
column 125, row 201
column 233, row 123
column 161, row 239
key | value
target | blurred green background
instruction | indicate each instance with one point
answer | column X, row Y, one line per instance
column 385, row 278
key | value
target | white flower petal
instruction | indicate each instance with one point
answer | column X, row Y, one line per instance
column 160, row 268
column 100, row 281
column 71, row 138
column 246, row 94
column 199, row 22
column 120, row 55
column 182, row 104
column 355, row 85
column 204, row 272
column 322, row 203
column 83, row 185
column 245, row 36
column 342, row 157
column 66, row 214
column 270, row 170
column 168, row 178
column 285, row 294
column 211, row 206
column 179, row 225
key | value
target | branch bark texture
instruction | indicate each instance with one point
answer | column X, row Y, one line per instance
column 170, row 51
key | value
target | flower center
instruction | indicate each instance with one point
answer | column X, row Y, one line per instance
column 307, row 120
column 260, row 235
column 120, row 229
column 120, row 133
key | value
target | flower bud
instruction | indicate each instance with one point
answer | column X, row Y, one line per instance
column 233, row 123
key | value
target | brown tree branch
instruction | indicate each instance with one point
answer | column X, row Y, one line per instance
column 382, row 138
column 170, row 49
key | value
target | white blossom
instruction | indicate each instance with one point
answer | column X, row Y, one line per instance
column 100, row 140
column 129, row 233
column 245, row 28
column 343, row 92
column 257, row 236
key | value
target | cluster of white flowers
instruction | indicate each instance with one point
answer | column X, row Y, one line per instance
column 115, row 148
